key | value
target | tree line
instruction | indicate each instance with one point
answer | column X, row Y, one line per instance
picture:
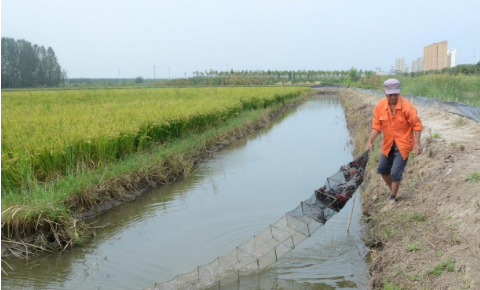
column 279, row 74
column 462, row 69
column 25, row 65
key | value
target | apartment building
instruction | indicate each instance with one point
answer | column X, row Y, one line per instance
column 417, row 65
column 400, row 64
column 435, row 56
column 452, row 53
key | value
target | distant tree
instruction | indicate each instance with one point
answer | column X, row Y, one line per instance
column 27, row 65
column 139, row 80
column 353, row 74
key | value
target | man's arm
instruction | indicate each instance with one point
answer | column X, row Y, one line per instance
column 376, row 129
column 417, row 148
column 373, row 135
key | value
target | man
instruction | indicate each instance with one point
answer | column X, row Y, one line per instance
column 402, row 128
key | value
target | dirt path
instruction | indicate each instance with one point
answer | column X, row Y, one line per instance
column 431, row 239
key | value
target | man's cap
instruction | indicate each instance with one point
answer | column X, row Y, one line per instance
column 392, row 86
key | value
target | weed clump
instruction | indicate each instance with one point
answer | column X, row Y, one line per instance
column 459, row 122
column 447, row 265
column 473, row 177
column 418, row 217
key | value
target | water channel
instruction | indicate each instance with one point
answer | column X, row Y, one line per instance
column 233, row 196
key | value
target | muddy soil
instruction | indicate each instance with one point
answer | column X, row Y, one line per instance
column 431, row 238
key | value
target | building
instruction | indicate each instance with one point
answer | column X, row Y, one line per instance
column 391, row 71
column 417, row 65
column 435, row 56
column 400, row 64
column 452, row 53
column 408, row 69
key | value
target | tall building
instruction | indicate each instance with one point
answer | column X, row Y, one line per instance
column 400, row 64
column 417, row 65
column 452, row 52
column 435, row 56
column 408, row 69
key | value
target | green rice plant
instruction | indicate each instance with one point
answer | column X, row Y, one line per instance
column 453, row 144
column 436, row 135
column 50, row 134
column 47, row 212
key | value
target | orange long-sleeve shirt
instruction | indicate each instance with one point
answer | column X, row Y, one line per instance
column 397, row 127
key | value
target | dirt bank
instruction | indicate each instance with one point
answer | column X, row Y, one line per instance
column 431, row 239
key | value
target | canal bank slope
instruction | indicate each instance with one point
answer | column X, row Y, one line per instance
column 430, row 240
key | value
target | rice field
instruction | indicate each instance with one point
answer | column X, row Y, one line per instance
column 50, row 134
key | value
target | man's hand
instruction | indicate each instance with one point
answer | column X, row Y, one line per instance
column 417, row 149
column 373, row 135
column 369, row 147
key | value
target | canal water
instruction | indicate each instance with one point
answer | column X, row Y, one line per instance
column 233, row 196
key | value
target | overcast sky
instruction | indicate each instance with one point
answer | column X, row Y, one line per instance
column 96, row 38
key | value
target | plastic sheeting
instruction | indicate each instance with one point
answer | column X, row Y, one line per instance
column 279, row 238
column 458, row 108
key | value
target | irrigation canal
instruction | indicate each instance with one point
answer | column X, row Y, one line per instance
column 235, row 195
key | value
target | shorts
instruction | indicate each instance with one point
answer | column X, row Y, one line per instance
column 393, row 164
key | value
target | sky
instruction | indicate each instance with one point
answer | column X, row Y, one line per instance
column 95, row 39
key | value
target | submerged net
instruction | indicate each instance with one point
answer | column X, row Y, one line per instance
column 279, row 238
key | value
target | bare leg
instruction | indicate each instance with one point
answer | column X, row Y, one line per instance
column 388, row 180
column 395, row 187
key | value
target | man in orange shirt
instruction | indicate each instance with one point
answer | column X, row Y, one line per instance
column 402, row 129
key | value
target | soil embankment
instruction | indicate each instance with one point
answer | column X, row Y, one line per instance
column 430, row 239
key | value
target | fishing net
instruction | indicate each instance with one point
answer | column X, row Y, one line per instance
column 279, row 238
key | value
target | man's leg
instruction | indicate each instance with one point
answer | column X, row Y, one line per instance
column 394, row 188
column 396, row 176
column 388, row 180
column 385, row 168
column 393, row 185
column 391, row 169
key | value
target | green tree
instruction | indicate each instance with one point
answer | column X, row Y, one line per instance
column 353, row 75
column 27, row 65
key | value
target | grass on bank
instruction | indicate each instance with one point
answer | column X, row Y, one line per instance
column 46, row 211
column 452, row 88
